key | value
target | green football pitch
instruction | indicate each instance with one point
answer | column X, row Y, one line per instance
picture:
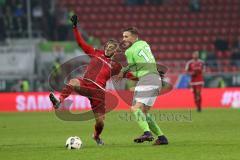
column 212, row 134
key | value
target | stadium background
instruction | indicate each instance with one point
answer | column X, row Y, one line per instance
column 36, row 38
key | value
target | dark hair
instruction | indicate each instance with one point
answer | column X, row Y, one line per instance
column 132, row 30
column 112, row 41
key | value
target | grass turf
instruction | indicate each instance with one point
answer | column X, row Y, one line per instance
column 212, row 134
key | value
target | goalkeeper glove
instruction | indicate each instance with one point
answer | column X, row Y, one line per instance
column 74, row 20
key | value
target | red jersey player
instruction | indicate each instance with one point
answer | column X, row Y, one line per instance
column 195, row 69
column 92, row 84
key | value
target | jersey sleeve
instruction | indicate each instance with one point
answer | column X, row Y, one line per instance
column 130, row 61
column 81, row 43
column 187, row 67
column 116, row 68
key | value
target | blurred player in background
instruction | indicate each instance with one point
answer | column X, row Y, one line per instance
column 92, row 84
column 142, row 64
column 195, row 69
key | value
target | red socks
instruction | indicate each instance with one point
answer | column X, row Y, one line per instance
column 98, row 129
column 198, row 102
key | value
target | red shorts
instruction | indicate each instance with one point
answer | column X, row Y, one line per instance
column 95, row 94
column 197, row 87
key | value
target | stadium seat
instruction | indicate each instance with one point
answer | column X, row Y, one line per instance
column 173, row 31
column 219, row 54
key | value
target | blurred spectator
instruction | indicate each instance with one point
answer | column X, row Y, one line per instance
column 37, row 18
column 24, row 85
column 221, row 83
column 57, row 71
column 63, row 22
column 50, row 33
column 195, row 5
column 39, row 86
column 14, row 15
column 236, row 43
column 235, row 58
column 49, row 28
column 155, row 2
column 221, row 44
column 211, row 60
column 37, row 12
column 18, row 14
column 8, row 19
column 58, row 52
column 203, row 55
column 2, row 26
column 15, row 18
column 15, row 87
column 134, row 2
column 2, row 30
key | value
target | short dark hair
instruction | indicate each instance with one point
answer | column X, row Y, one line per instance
column 112, row 41
column 132, row 30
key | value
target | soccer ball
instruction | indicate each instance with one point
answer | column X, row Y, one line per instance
column 73, row 143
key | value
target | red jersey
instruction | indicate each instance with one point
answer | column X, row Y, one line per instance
column 195, row 69
column 101, row 67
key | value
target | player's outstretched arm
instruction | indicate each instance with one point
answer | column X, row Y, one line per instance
column 81, row 42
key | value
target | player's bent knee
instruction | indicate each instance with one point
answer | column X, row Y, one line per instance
column 136, row 107
column 100, row 120
column 133, row 109
column 100, row 117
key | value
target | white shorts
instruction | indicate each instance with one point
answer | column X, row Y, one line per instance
column 147, row 89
